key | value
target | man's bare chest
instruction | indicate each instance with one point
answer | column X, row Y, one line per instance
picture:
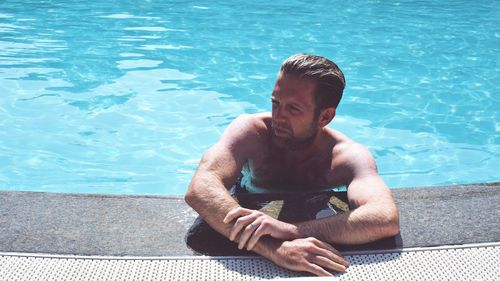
column 270, row 169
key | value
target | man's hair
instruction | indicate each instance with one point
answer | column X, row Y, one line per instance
column 329, row 79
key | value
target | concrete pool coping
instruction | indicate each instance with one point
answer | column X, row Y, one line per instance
column 118, row 225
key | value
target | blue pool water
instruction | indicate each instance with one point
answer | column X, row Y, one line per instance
column 124, row 96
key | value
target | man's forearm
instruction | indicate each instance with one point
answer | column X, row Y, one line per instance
column 361, row 225
column 212, row 201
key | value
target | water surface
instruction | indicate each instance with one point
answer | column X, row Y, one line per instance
column 124, row 97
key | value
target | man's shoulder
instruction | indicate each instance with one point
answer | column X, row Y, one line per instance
column 348, row 152
column 247, row 128
column 251, row 123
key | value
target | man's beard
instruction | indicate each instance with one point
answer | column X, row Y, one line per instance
column 294, row 143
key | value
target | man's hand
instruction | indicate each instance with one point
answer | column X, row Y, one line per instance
column 309, row 254
column 252, row 225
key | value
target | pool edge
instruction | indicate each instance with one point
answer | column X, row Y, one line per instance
column 134, row 225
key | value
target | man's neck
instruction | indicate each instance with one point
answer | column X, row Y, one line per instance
column 306, row 151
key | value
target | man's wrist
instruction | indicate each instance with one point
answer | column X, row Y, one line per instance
column 300, row 230
column 294, row 231
column 267, row 247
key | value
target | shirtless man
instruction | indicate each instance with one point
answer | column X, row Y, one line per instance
column 292, row 148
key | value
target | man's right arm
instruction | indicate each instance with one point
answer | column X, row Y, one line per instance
column 218, row 170
column 208, row 195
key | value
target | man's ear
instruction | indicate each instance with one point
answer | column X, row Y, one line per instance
column 326, row 116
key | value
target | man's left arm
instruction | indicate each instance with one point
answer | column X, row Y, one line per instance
column 373, row 213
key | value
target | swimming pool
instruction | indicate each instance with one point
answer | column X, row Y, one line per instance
column 124, row 97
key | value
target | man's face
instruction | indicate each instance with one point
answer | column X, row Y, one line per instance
column 293, row 121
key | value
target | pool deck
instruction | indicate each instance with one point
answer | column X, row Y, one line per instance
column 113, row 225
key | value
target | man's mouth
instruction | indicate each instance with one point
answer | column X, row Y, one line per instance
column 280, row 131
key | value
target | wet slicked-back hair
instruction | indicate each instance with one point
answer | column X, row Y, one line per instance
column 329, row 79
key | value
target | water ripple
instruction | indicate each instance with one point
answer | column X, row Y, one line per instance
column 124, row 98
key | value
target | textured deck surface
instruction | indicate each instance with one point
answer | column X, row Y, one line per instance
column 467, row 262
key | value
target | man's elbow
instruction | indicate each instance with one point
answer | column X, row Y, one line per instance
column 189, row 198
column 192, row 195
column 392, row 224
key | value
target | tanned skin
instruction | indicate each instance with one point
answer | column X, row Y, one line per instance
column 292, row 147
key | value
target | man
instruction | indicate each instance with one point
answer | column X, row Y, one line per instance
column 291, row 148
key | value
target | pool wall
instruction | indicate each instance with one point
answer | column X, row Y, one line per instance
column 111, row 225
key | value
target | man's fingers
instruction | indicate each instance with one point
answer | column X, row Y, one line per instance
column 259, row 232
column 327, row 246
column 247, row 232
column 316, row 270
column 332, row 253
column 328, row 263
column 237, row 212
column 239, row 225
column 332, row 256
